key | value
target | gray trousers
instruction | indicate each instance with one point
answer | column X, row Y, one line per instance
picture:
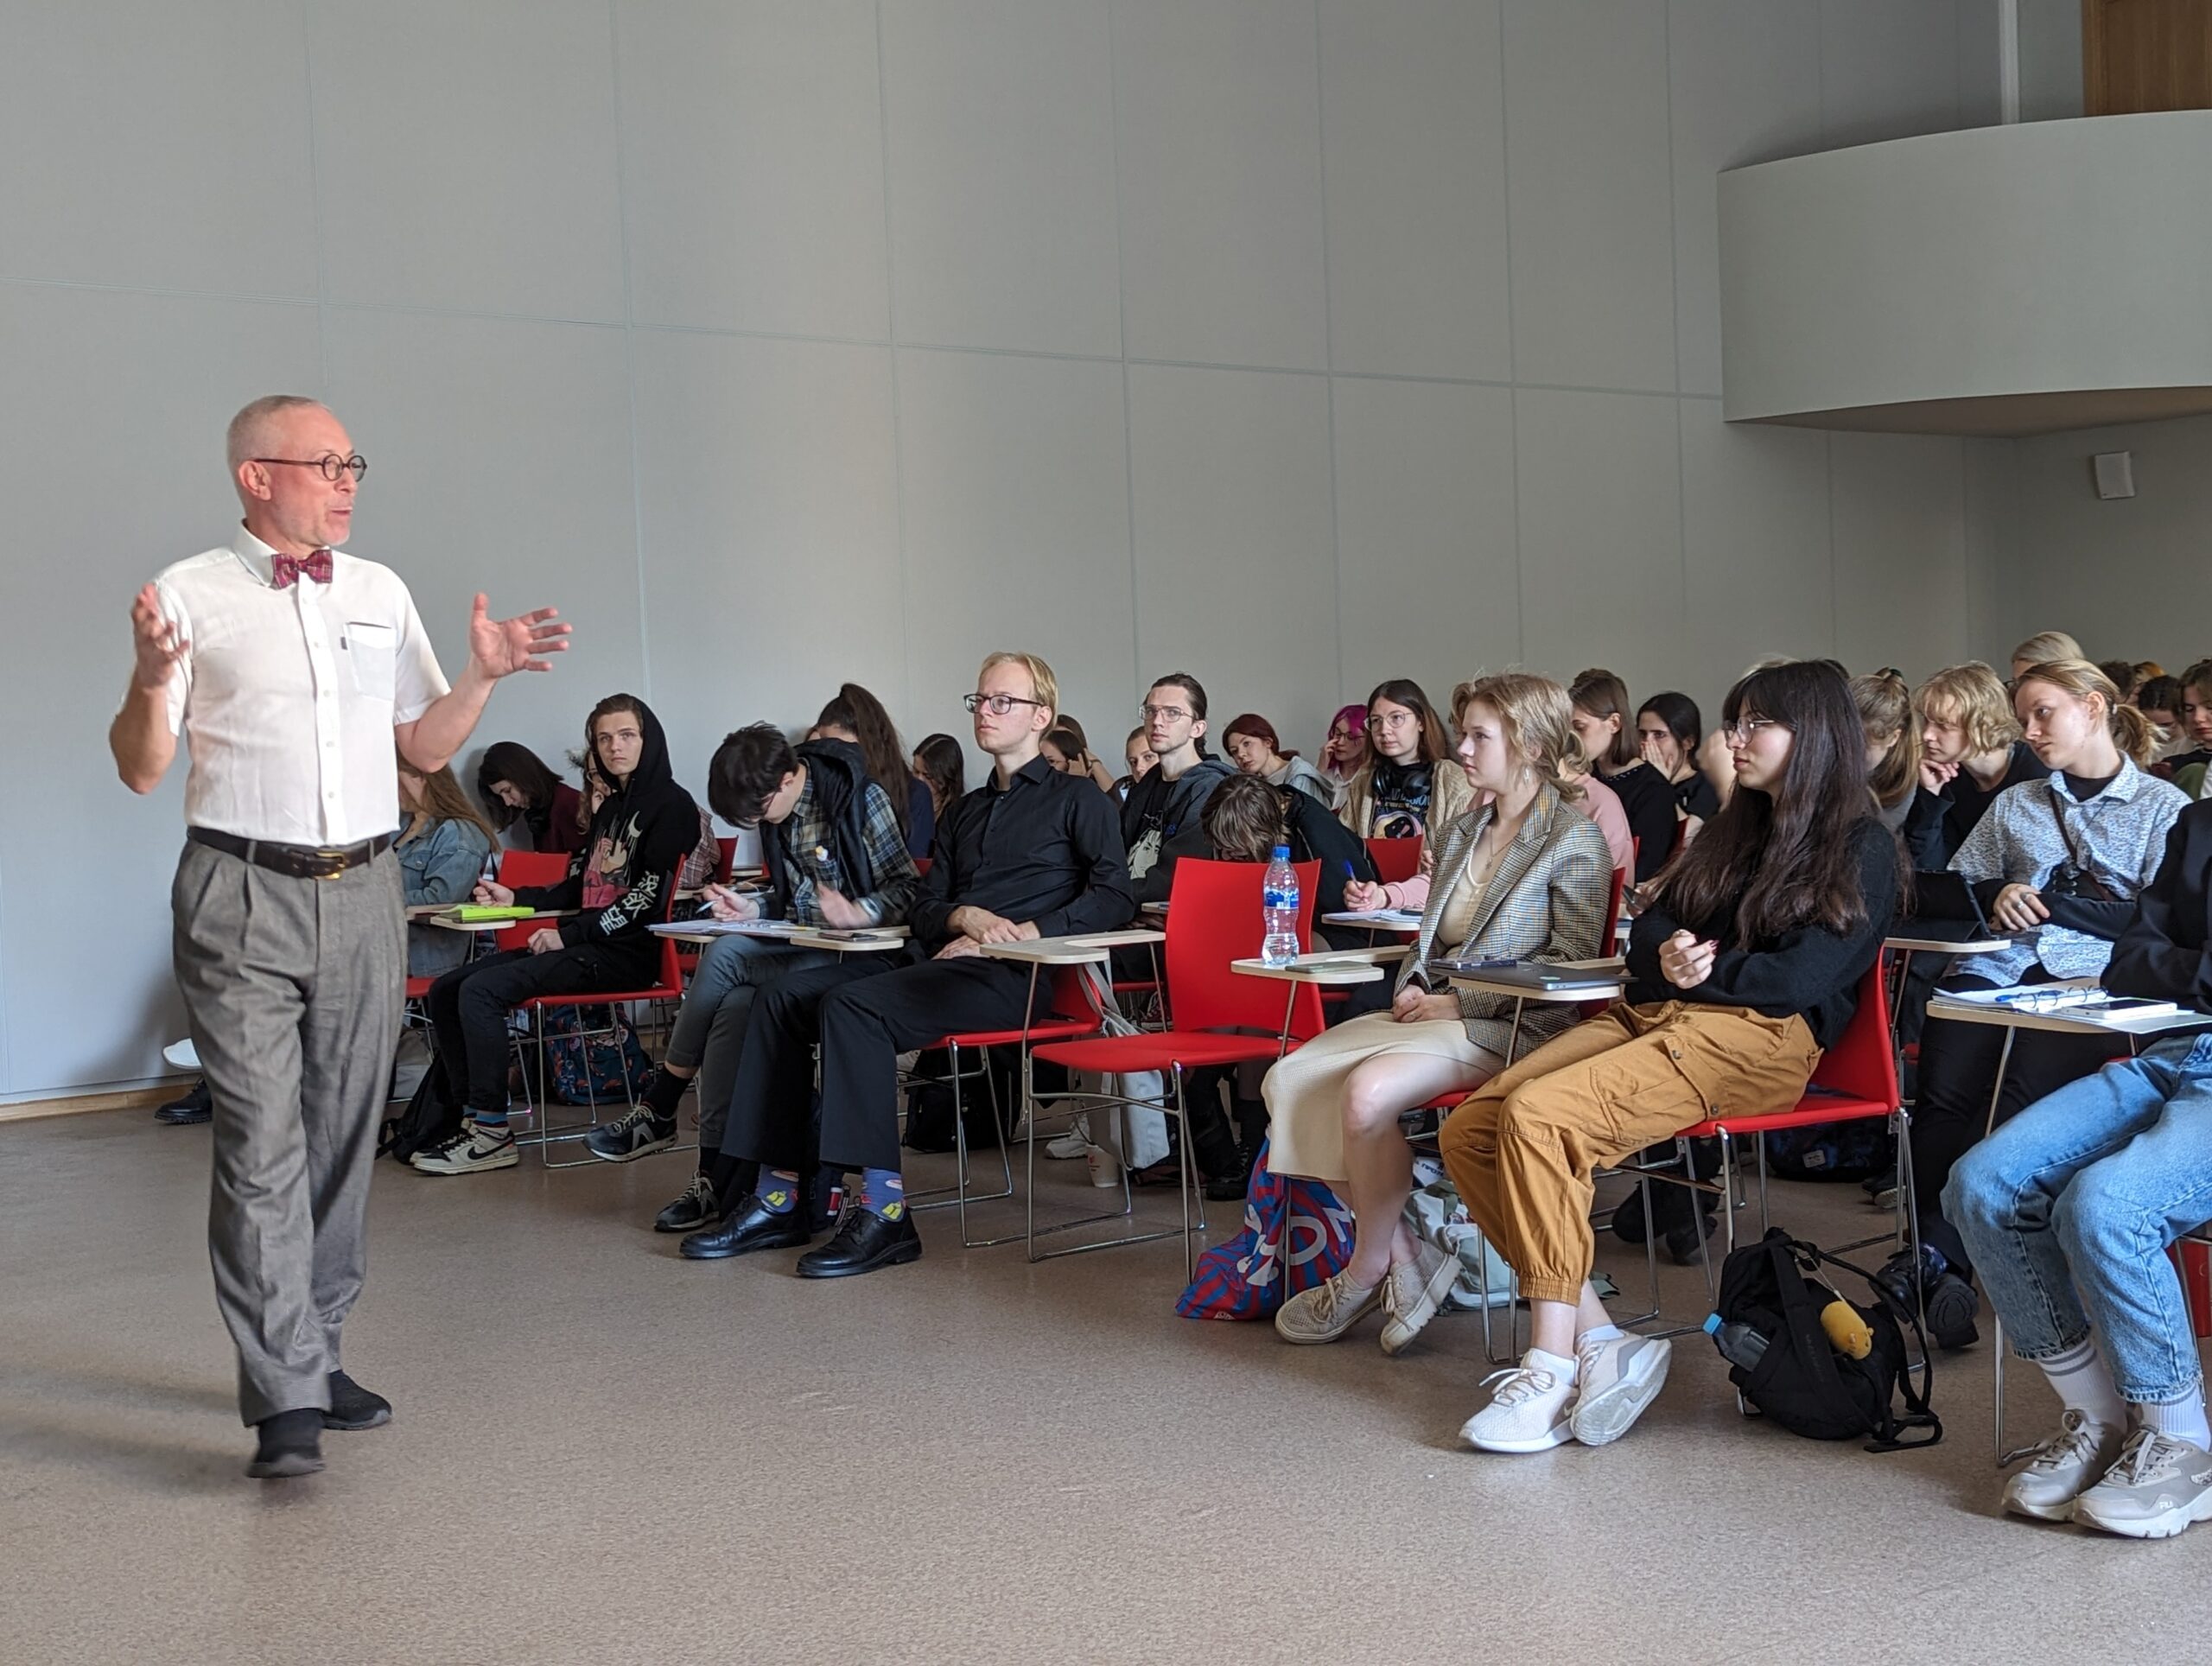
column 709, row 1030
column 293, row 988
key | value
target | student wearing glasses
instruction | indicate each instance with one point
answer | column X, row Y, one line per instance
column 1409, row 783
column 1160, row 816
column 1343, row 752
column 2059, row 861
column 1745, row 964
column 1030, row 853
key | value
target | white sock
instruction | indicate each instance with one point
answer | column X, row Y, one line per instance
column 2184, row 1419
column 2083, row 1382
column 1563, row 1370
column 1606, row 1333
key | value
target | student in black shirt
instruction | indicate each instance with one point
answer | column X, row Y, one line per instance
column 1970, row 751
column 1647, row 798
column 1160, row 816
column 1668, row 730
column 1031, row 853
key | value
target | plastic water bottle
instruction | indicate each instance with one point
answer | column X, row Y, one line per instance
column 1738, row 1343
column 1278, row 909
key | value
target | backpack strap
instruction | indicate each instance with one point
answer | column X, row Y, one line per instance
column 1920, row 1413
column 1802, row 1325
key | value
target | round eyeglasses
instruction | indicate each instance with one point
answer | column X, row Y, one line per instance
column 330, row 465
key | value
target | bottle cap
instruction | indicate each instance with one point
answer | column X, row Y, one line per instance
column 1713, row 1324
column 1283, row 853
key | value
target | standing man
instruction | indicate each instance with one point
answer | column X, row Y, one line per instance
column 290, row 669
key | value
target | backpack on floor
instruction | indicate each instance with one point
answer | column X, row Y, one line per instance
column 595, row 1069
column 1831, row 1151
column 1245, row 1278
column 1772, row 1295
column 431, row 1117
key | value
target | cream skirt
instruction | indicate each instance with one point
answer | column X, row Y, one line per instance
column 1304, row 1092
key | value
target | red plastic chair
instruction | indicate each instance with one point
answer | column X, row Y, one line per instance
column 1395, row 859
column 525, row 870
column 1214, row 919
column 729, row 848
column 668, row 986
column 1073, row 1014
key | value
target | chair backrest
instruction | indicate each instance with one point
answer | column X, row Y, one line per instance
column 1608, row 942
column 1861, row 1063
column 1395, row 859
column 519, row 870
column 729, row 848
column 1213, row 914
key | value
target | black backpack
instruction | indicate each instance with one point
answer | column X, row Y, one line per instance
column 432, row 1116
column 1801, row 1381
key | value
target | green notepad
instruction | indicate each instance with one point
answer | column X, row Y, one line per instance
column 475, row 913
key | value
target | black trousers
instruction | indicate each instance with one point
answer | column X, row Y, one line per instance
column 469, row 1006
column 866, row 1010
column 1958, row 1067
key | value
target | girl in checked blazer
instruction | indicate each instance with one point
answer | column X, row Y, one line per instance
column 1524, row 873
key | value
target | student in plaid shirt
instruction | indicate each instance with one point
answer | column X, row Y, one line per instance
column 835, row 858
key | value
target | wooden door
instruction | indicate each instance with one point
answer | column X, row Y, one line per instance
column 2146, row 55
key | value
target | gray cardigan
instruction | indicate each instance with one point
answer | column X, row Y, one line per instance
column 1546, row 901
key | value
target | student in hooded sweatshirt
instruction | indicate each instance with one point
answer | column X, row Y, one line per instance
column 1160, row 818
column 619, row 884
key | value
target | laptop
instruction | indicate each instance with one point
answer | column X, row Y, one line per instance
column 1944, row 905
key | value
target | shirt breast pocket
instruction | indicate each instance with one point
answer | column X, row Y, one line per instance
column 371, row 658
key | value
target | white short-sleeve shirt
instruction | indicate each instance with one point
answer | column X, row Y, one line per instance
column 287, row 698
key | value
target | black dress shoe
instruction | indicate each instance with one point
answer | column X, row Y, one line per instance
column 291, row 1444
column 352, row 1407
column 196, row 1106
column 752, row 1225
column 866, row 1242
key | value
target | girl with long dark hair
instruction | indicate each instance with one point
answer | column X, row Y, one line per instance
column 515, row 786
column 858, row 716
column 1745, row 964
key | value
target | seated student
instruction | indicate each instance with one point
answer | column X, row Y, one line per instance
column 2121, row 673
column 1409, row 783
column 1343, row 752
column 1745, row 964
column 1067, row 749
column 2065, row 1210
column 940, row 765
column 2042, row 647
column 516, row 786
column 829, row 838
column 2160, row 699
column 1254, row 747
column 2059, row 861
column 2186, row 768
column 442, row 851
column 1669, row 729
column 1601, row 710
column 1970, row 752
column 1893, row 749
column 640, row 836
column 1136, row 751
column 1031, row 853
column 1522, row 875
column 1160, row 818
column 857, row 718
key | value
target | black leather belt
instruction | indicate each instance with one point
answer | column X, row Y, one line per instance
column 301, row 861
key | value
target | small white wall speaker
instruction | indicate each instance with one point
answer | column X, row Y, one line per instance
column 2115, row 472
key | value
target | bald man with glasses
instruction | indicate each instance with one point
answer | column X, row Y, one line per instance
column 291, row 668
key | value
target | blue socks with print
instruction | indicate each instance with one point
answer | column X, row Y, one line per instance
column 778, row 1190
column 883, row 1191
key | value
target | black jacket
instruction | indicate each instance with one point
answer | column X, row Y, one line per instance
column 1648, row 802
column 1168, row 813
column 1808, row 971
column 1937, row 824
column 2162, row 952
column 1316, row 835
column 623, row 877
column 837, row 773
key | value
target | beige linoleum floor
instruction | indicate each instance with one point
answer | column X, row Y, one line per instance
column 602, row 1453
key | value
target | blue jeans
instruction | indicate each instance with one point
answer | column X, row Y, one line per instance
column 2067, row 1211
column 709, row 1030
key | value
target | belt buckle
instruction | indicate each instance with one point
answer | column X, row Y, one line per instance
column 328, row 864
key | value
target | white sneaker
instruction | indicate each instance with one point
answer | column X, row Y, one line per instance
column 1326, row 1312
column 1413, row 1292
column 1618, row 1376
column 1529, row 1411
column 483, row 1147
column 2160, row 1485
column 1075, row 1144
column 2063, row 1468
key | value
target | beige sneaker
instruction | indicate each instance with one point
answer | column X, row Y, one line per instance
column 1413, row 1292
column 1326, row 1312
column 2063, row 1468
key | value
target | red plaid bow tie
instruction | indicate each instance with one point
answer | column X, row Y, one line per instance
column 290, row 569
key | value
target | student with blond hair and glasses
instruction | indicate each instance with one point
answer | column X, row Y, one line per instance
column 1745, row 964
column 1524, row 873
column 2059, row 861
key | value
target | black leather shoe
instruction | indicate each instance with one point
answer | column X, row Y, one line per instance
column 352, row 1407
column 291, row 1444
column 752, row 1225
column 196, row 1106
column 866, row 1242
